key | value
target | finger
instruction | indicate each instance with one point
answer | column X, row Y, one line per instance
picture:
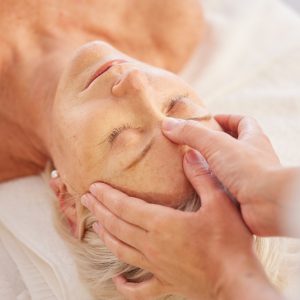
column 197, row 172
column 147, row 290
column 229, row 123
column 240, row 126
column 192, row 133
column 126, row 232
column 129, row 209
column 123, row 252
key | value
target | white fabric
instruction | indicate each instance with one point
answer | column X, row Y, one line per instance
column 248, row 64
column 29, row 237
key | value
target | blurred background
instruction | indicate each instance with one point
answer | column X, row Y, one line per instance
column 294, row 3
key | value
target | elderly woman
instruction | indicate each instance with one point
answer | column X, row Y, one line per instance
column 95, row 112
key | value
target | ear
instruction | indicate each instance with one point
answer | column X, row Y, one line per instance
column 67, row 204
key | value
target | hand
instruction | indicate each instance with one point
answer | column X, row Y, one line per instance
column 192, row 254
column 245, row 163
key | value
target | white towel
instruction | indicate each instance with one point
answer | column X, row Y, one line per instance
column 249, row 64
column 28, row 234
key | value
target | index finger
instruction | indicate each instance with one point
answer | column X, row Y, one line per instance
column 192, row 133
column 239, row 126
column 130, row 209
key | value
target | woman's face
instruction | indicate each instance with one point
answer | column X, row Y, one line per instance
column 107, row 119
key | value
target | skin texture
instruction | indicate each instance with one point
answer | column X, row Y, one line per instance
column 48, row 115
column 38, row 38
column 126, row 229
column 100, row 131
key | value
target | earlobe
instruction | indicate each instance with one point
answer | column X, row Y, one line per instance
column 67, row 205
column 56, row 185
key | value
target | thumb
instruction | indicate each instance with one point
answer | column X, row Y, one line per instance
column 199, row 175
column 212, row 144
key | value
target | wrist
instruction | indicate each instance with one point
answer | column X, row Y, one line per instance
column 278, row 181
column 288, row 201
column 267, row 200
column 279, row 186
column 244, row 278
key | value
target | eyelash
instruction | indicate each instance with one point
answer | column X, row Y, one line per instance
column 175, row 100
column 116, row 131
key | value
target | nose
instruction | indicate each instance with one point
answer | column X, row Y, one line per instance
column 134, row 82
column 136, row 91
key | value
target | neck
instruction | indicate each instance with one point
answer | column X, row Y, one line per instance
column 30, row 71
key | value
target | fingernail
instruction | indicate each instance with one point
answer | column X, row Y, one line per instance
column 169, row 124
column 96, row 227
column 94, row 188
column 86, row 200
column 193, row 157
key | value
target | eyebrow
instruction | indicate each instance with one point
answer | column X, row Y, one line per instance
column 141, row 156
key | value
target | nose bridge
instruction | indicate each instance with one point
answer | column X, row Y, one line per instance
column 135, row 88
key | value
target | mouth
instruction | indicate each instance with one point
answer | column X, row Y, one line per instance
column 104, row 68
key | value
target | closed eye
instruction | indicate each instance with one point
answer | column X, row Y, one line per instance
column 116, row 132
column 171, row 104
column 175, row 100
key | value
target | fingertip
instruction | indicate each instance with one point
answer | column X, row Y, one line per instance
column 87, row 200
column 118, row 280
column 96, row 187
column 97, row 227
column 169, row 124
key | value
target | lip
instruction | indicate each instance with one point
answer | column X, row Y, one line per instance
column 103, row 68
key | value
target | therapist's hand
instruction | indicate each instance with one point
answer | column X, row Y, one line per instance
column 243, row 159
column 195, row 254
